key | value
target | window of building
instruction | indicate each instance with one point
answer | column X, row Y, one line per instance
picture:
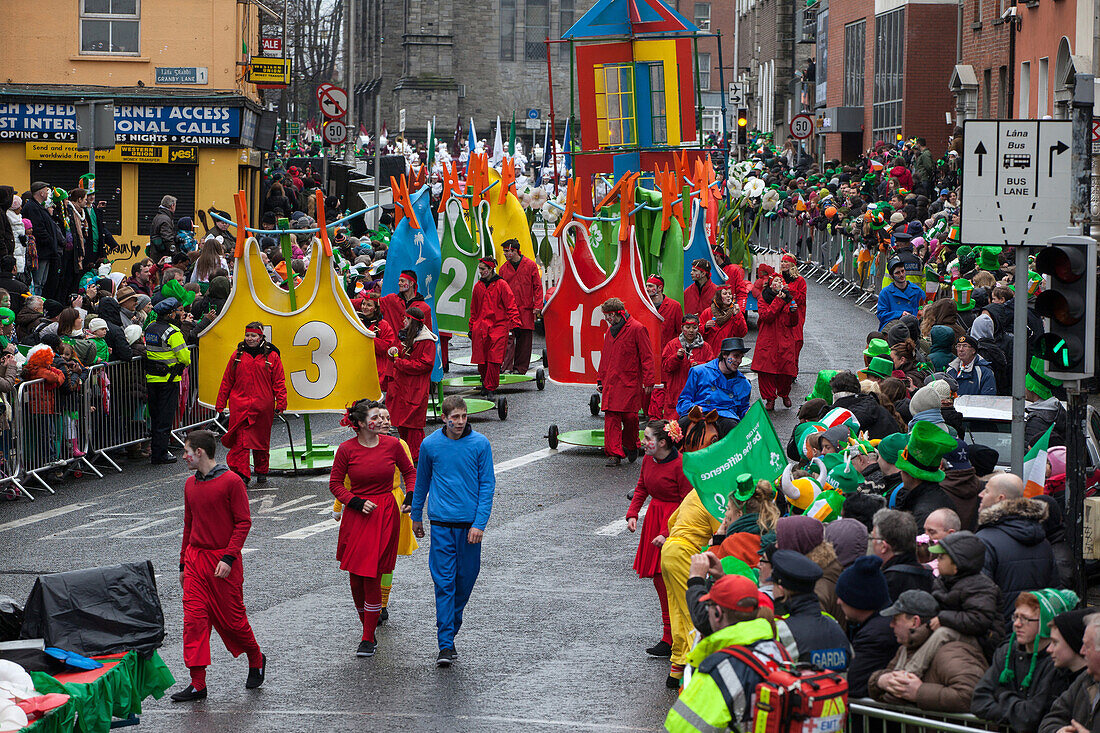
column 507, row 30
column 977, row 11
column 567, row 16
column 987, row 91
column 712, row 122
column 615, row 104
column 657, row 109
column 1025, row 89
column 536, row 21
column 1042, row 104
column 704, row 71
column 855, row 51
column 1002, row 93
column 702, row 16
column 889, row 75
column 110, row 26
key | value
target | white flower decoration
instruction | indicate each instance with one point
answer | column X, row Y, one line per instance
column 754, row 187
column 735, row 186
column 769, row 200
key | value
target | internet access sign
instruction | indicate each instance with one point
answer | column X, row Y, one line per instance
column 1016, row 181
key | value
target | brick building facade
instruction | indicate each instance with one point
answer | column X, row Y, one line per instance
column 888, row 62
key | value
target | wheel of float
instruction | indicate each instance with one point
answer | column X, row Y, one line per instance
column 594, row 404
column 502, row 408
column 540, row 378
column 544, row 362
column 552, row 437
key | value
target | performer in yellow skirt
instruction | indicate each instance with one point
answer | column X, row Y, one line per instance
column 406, row 542
column 690, row 528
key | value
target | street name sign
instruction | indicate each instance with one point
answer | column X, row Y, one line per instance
column 1016, row 181
column 182, row 74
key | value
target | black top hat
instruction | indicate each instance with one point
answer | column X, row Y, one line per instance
column 733, row 344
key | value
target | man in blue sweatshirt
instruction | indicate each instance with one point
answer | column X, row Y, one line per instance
column 455, row 475
column 899, row 297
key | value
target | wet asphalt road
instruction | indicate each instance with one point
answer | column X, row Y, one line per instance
column 554, row 634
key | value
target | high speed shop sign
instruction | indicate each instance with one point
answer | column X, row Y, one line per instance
column 334, row 132
column 802, row 126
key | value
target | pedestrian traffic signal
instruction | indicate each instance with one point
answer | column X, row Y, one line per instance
column 1069, row 304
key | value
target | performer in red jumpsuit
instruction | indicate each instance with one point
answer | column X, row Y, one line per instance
column 735, row 275
column 678, row 357
column 493, row 314
column 776, row 358
column 672, row 313
column 254, row 389
column 663, row 481
column 394, row 304
column 796, row 285
column 624, row 378
column 370, row 313
column 216, row 520
column 413, row 361
column 369, row 526
column 723, row 319
column 700, row 293
column 522, row 275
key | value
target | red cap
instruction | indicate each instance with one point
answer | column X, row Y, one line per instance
column 735, row 592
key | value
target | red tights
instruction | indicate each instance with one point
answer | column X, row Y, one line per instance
column 662, row 594
column 366, row 593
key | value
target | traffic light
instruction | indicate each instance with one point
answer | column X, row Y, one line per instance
column 1069, row 305
column 742, row 126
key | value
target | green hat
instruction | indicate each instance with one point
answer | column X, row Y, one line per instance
column 891, row 446
column 844, row 478
column 876, row 347
column 822, row 390
column 987, row 258
column 1052, row 601
column 963, row 251
column 736, row 566
column 928, row 444
column 961, row 292
column 802, row 432
column 880, row 366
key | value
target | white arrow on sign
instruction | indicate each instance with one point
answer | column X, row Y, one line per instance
column 736, row 96
column 1016, row 181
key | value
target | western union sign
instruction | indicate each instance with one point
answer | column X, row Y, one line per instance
column 181, row 154
column 266, row 70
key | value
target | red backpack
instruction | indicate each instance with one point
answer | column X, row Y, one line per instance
column 794, row 698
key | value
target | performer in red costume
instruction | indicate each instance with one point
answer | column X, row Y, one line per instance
column 370, row 524
column 254, row 389
column 395, row 304
column 672, row 313
column 413, row 361
column 625, row 378
column 723, row 319
column 370, row 313
column 216, row 520
column 678, row 357
column 663, row 481
column 522, row 275
column 700, row 293
column 493, row 314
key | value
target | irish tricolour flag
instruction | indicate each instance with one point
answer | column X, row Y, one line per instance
column 1035, row 466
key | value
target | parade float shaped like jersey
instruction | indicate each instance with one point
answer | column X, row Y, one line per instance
column 573, row 319
column 460, row 254
column 794, row 698
column 327, row 353
column 507, row 221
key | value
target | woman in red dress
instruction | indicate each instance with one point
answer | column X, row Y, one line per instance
column 367, row 543
column 663, row 481
column 723, row 319
column 413, row 361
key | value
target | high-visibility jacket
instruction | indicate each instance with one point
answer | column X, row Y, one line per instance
column 166, row 353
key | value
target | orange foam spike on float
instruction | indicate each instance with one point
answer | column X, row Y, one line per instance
column 446, row 188
column 242, row 223
column 475, row 180
column 626, row 205
column 409, row 212
column 398, row 207
column 616, row 190
column 507, row 180
column 571, row 192
column 667, row 193
column 320, row 200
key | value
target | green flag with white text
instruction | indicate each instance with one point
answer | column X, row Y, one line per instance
column 751, row 447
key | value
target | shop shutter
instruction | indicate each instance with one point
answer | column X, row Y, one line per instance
column 157, row 180
column 108, row 185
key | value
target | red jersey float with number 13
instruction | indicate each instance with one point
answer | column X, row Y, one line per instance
column 573, row 319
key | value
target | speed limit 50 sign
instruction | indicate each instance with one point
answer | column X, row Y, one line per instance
column 802, row 126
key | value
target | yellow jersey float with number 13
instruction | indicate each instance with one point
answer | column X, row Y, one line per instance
column 326, row 351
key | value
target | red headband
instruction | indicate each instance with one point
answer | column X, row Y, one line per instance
column 414, row 318
column 787, row 257
column 255, row 330
column 488, row 261
column 655, row 280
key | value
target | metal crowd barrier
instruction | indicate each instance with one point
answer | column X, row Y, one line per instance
column 868, row 716
column 49, row 432
column 114, row 396
column 189, row 413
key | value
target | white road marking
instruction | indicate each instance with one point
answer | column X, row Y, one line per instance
column 500, row 467
column 309, row 531
column 613, row 529
column 43, row 516
column 246, row 550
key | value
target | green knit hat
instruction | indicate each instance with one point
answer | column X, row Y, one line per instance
column 1052, row 601
column 891, row 446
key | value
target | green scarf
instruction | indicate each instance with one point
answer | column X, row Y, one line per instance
column 746, row 523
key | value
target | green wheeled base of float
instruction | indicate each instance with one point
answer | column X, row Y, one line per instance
column 474, row 382
column 473, row 407
column 582, row 438
column 317, row 458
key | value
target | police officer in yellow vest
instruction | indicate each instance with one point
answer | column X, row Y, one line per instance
column 166, row 355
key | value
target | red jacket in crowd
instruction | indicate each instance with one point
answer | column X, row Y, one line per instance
column 673, row 313
column 526, row 284
column 407, row 397
column 675, row 370
column 697, row 299
column 253, row 388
